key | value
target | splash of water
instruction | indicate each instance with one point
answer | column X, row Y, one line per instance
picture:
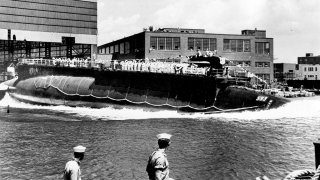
column 304, row 107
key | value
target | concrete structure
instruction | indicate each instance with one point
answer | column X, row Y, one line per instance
column 285, row 71
column 46, row 29
column 250, row 49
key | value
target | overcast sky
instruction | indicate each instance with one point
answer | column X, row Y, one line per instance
column 294, row 24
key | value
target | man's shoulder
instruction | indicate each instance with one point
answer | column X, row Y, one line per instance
column 158, row 154
column 72, row 164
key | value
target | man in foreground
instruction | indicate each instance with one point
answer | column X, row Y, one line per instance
column 158, row 165
column 72, row 169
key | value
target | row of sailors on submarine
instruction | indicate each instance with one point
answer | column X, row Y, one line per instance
column 75, row 62
column 67, row 62
column 159, row 67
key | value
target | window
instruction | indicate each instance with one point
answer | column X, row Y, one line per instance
column 226, row 45
column 190, row 43
column 116, row 48
column 111, row 49
column 259, row 64
column 203, row 44
column 236, row 45
column 164, row 43
column 247, row 47
column 176, row 43
column 262, row 48
column 161, row 43
column 213, row 44
column 198, row 43
column 121, row 48
column 168, row 43
column 107, row 50
column 239, row 45
column 127, row 48
column 153, row 43
column 262, row 64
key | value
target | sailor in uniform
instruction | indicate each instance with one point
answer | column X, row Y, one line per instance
column 72, row 169
column 158, row 165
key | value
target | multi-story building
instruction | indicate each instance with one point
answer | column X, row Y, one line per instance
column 309, row 67
column 285, row 71
column 250, row 49
column 46, row 29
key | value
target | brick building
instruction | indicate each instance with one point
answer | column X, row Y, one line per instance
column 250, row 49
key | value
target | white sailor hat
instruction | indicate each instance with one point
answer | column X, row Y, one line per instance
column 79, row 149
column 164, row 136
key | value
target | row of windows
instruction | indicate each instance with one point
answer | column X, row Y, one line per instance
column 164, row 43
column 236, row 45
column 262, row 48
column 311, row 76
column 310, row 69
column 262, row 64
column 202, row 44
column 122, row 48
column 58, row 51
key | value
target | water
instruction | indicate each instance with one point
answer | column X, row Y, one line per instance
column 37, row 141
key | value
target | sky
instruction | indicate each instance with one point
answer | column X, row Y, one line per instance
column 293, row 24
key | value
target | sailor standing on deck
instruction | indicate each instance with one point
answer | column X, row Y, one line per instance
column 158, row 165
column 72, row 169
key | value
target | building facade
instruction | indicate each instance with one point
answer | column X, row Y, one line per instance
column 250, row 49
column 46, row 29
column 309, row 67
column 285, row 71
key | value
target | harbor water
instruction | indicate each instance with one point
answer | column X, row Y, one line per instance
column 36, row 141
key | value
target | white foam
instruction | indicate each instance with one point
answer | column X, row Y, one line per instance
column 304, row 107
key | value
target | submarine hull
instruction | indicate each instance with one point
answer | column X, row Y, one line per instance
column 97, row 89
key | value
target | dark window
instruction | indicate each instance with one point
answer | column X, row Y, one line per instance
column 153, row 42
column 213, row 44
column 116, row 48
column 176, row 43
column 164, row 43
column 205, row 44
column 236, row 45
column 239, row 45
column 247, row 46
column 233, row 45
column 121, row 48
column 191, row 44
column 226, row 45
column 199, row 43
column 127, row 48
column 262, row 48
column 168, row 43
column 161, row 43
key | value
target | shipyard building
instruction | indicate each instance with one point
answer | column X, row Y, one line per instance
column 251, row 49
column 47, row 29
column 308, row 67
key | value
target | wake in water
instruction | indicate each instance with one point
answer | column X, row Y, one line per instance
column 304, row 107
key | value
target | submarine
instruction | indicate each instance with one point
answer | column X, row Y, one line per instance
column 203, row 84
